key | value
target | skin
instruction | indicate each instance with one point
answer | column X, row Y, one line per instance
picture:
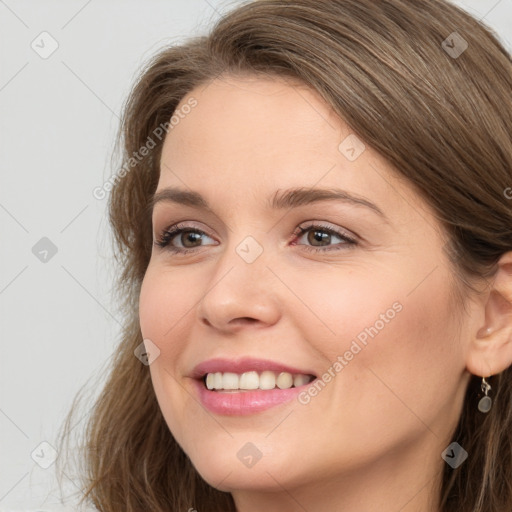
column 372, row 438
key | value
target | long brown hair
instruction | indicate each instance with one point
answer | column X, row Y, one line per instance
column 444, row 121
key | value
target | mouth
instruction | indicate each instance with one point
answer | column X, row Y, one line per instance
column 229, row 382
column 238, row 387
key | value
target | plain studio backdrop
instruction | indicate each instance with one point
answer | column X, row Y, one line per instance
column 66, row 68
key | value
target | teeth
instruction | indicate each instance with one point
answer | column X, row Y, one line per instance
column 230, row 381
column 249, row 380
column 284, row 381
column 300, row 380
column 267, row 380
column 253, row 380
column 210, row 381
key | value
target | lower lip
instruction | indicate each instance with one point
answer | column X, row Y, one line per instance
column 242, row 403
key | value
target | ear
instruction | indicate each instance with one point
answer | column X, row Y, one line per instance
column 490, row 348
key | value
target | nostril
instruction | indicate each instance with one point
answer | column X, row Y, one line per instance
column 244, row 320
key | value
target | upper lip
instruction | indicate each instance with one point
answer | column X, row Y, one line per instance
column 245, row 364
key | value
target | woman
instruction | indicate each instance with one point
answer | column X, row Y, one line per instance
column 314, row 222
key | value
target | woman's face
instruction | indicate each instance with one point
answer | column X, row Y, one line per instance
column 360, row 300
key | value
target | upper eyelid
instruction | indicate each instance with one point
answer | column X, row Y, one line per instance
column 305, row 225
column 167, row 225
column 348, row 241
column 179, row 225
column 163, row 205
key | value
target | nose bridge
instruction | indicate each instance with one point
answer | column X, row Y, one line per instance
column 249, row 242
column 243, row 265
column 241, row 286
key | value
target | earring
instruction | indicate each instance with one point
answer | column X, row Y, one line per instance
column 485, row 403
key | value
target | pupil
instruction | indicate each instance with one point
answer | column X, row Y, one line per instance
column 319, row 236
column 191, row 237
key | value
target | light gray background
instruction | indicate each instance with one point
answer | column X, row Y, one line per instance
column 58, row 118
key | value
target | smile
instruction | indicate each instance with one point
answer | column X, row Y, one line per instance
column 253, row 380
column 238, row 387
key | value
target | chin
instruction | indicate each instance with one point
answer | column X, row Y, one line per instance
column 229, row 476
column 236, row 463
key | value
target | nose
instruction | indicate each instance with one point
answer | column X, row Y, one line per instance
column 240, row 295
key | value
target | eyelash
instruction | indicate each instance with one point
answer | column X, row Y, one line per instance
column 171, row 232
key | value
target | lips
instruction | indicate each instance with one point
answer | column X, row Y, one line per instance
column 247, row 386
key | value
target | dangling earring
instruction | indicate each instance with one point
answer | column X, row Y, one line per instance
column 485, row 403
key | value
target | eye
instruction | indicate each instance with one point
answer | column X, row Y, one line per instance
column 323, row 235
column 189, row 237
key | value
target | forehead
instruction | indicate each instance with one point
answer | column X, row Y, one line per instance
column 248, row 137
column 270, row 111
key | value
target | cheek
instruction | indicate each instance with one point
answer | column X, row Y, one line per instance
column 335, row 311
column 400, row 349
column 410, row 369
column 150, row 307
column 160, row 310
column 161, row 304
column 162, row 317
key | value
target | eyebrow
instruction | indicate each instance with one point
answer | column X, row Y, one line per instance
column 282, row 199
